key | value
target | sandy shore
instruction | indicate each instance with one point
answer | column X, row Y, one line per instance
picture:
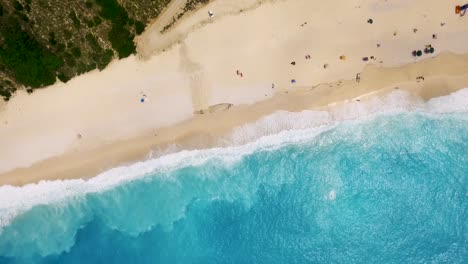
column 96, row 121
column 205, row 131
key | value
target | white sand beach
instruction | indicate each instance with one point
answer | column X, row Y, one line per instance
column 97, row 121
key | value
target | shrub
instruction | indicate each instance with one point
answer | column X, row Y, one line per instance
column 62, row 77
column 60, row 47
column 93, row 42
column 89, row 23
column 122, row 41
column 18, row 6
column 76, row 52
column 6, row 94
column 74, row 18
column 23, row 17
column 69, row 59
column 31, row 64
column 88, row 4
column 67, row 34
column 139, row 27
column 81, row 68
column 97, row 21
column 52, row 40
column 119, row 36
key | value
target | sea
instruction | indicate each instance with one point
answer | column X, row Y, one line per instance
column 382, row 180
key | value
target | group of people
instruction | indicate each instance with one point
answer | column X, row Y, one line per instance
column 416, row 53
column 427, row 50
column 367, row 58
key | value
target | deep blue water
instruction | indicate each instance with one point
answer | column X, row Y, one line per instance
column 388, row 190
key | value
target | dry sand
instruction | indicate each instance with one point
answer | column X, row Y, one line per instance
column 96, row 121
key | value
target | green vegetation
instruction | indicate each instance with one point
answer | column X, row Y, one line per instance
column 60, row 48
column 76, row 52
column 88, row 22
column 88, row 4
column 22, row 55
column 81, row 68
column 105, row 59
column 69, row 59
column 93, row 42
column 52, row 40
column 97, row 21
column 122, row 41
column 23, row 17
column 100, row 57
column 18, row 6
column 139, row 27
column 5, row 93
column 192, row 4
column 62, row 77
column 67, row 34
column 74, row 18
column 119, row 36
column 42, row 40
column 189, row 6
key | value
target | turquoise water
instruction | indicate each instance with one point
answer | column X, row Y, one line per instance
column 390, row 189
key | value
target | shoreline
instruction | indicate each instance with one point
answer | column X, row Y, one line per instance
column 214, row 75
column 443, row 75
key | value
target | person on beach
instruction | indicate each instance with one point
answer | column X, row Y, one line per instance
column 461, row 9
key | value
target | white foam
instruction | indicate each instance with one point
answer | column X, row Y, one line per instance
column 277, row 122
column 268, row 133
column 455, row 102
column 398, row 101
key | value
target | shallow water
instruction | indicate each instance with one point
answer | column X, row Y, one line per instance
column 386, row 189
